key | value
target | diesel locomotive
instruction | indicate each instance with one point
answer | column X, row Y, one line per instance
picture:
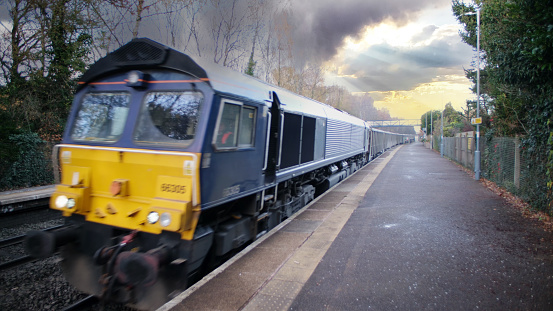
column 169, row 165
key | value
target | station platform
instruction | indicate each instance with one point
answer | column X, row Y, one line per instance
column 409, row 231
column 16, row 200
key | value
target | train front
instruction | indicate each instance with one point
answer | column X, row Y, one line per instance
column 129, row 185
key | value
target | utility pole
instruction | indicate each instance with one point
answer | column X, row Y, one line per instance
column 442, row 138
column 477, row 141
column 431, row 130
column 477, row 152
column 426, row 126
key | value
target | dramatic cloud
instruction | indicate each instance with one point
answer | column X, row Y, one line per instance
column 406, row 54
column 320, row 26
column 384, row 67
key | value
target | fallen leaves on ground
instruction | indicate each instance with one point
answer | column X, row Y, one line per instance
column 525, row 209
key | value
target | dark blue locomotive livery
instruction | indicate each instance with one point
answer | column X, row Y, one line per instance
column 169, row 165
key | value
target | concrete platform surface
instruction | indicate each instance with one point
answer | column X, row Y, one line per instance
column 22, row 195
column 409, row 231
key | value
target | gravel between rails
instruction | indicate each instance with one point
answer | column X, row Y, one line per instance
column 39, row 285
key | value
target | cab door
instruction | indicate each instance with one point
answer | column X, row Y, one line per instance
column 236, row 153
column 272, row 156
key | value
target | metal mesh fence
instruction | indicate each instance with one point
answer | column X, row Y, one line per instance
column 460, row 149
column 502, row 161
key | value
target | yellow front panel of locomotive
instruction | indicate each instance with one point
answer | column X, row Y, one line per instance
column 134, row 215
column 125, row 185
column 76, row 175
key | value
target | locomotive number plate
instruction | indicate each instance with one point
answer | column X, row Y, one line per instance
column 181, row 189
column 175, row 188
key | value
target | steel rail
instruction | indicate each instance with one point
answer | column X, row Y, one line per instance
column 19, row 239
column 82, row 304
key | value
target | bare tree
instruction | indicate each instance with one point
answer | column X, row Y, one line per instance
column 314, row 81
column 20, row 42
column 42, row 53
column 228, row 29
column 192, row 22
column 284, row 44
column 173, row 28
column 139, row 10
column 110, row 19
column 118, row 21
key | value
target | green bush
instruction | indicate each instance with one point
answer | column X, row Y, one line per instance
column 31, row 166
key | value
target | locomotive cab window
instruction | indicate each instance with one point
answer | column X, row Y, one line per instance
column 236, row 126
column 101, row 117
column 168, row 118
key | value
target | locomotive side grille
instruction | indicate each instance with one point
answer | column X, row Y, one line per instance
column 337, row 139
column 357, row 136
column 342, row 137
column 139, row 52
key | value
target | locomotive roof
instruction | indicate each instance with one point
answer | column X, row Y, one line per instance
column 143, row 54
column 226, row 80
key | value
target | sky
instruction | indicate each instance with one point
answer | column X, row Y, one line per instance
column 406, row 54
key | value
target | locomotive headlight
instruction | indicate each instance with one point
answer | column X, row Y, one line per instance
column 153, row 217
column 61, row 201
column 136, row 79
column 165, row 219
column 70, row 203
column 133, row 77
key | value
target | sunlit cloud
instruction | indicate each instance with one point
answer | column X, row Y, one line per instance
column 321, row 26
column 434, row 95
column 408, row 69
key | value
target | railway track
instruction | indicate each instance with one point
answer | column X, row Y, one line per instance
column 28, row 283
column 21, row 211
column 17, row 262
column 83, row 304
column 16, row 241
column 19, row 239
